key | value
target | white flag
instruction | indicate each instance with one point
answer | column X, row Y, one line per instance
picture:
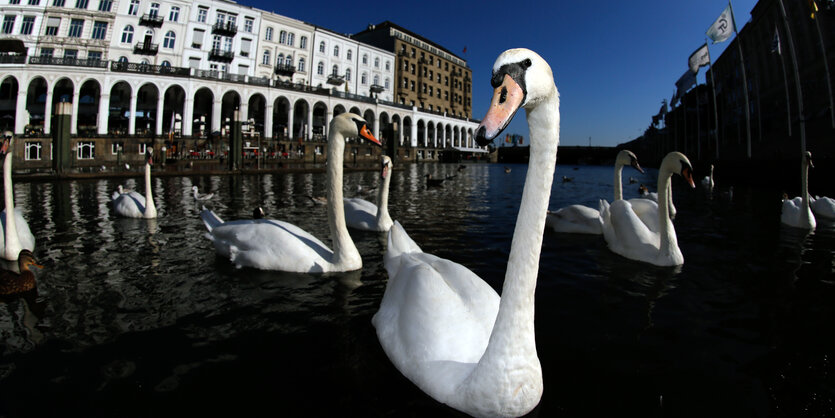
column 722, row 28
column 687, row 80
column 699, row 58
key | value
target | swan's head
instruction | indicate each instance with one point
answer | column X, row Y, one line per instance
column 351, row 125
column 521, row 79
column 807, row 158
column 385, row 166
column 676, row 162
column 7, row 143
column 194, row 189
column 626, row 157
column 149, row 156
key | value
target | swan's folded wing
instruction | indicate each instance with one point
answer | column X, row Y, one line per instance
column 356, row 203
column 629, row 236
column 360, row 214
column 27, row 240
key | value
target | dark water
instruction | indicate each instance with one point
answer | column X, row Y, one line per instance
column 139, row 318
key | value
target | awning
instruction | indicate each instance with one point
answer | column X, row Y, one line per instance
column 12, row 45
column 466, row 149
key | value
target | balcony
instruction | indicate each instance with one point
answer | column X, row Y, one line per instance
column 287, row 70
column 224, row 29
column 75, row 62
column 146, row 48
column 335, row 79
column 134, row 67
column 221, row 55
column 12, row 59
column 151, row 20
column 376, row 88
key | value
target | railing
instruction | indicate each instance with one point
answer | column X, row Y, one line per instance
column 285, row 69
column 151, row 20
column 395, row 104
column 227, row 29
column 376, row 88
column 352, row 96
column 12, row 59
column 133, row 67
column 146, row 49
column 75, row 62
column 336, row 79
column 221, row 55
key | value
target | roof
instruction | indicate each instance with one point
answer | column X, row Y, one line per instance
column 389, row 24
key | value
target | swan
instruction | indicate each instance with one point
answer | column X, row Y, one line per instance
column 12, row 282
column 823, row 207
column 627, row 235
column 198, row 196
column 270, row 244
column 583, row 219
column 16, row 234
column 134, row 205
column 442, row 326
column 708, row 180
column 364, row 215
column 797, row 212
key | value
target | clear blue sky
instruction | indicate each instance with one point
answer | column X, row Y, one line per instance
column 613, row 61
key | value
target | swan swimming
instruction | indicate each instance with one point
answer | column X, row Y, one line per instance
column 16, row 234
column 797, row 212
column 442, row 326
column 364, row 215
column 134, row 205
column 270, row 244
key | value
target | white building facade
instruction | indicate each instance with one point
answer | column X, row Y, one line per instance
column 222, row 37
column 284, row 49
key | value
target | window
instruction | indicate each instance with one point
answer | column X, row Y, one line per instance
column 365, row 59
column 28, row 24
column 335, row 70
column 202, row 14
column 322, row 47
column 133, row 9
column 47, row 52
column 388, row 66
column 165, row 63
column 99, row 30
column 86, row 150
column 71, row 54
column 388, row 84
column 105, row 5
column 123, row 59
column 246, row 46
column 116, row 147
column 93, row 55
column 336, row 51
column 288, row 61
column 143, row 148
column 279, row 59
column 348, row 74
column 376, row 63
column 8, row 24
column 265, row 58
column 194, row 62
column 301, row 64
column 169, row 40
column 282, row 37
column 174, row 14
column 227, row 44
column 320, row 69
column 32, row 151
column 291, row 38
column 249, row 24
column 154, row 10
column 216, row 43
column 81, row 4
column 349, row 54
column 268, row 34
column 76, row 26
column 303, row 42
column 376, row 80
column 57, row 3
column 197, row 38
column 364, row 79
column 14, row 1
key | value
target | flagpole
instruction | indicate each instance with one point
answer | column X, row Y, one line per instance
column 698, row 125
column 715, row 111
column 785, row 82
column 825, row 67
column 796, row 78
column 744, row 83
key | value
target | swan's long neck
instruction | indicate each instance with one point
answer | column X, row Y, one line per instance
column 512, row 344
column 383, row 200
column 667, row 232
column 344, row 250
column 618, row 180
column 12, row 243
column 150, row 207
column 804, row 186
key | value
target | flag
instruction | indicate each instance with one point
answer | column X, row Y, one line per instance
column 663, row 110
column 721, row 29
column 699, row 58
column 507, row 138
column 775, row 42
column 687, row 80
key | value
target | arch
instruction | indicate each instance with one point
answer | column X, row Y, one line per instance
column 320, row 119
column 407, row 129
column 229, row 103
column 386, row 129
column 201, row 122
column 430, row 134
column 300, row 111
column 439, row 128
column 117, row 119
column 88, row 107
column 173, row 109
column 470, row 137
column 281, row 116
column 397, row 129
column 355, row 110
column 338, row 110
column 448, row 137
column 257, row 112
column 421, row 132
column 9, row 89
column 147, row 100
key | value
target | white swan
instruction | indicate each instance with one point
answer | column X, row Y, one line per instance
column 364, row 215
column 823, row 207
column 583, row 219
column 443, row 327
column 198, row 196
column 134, row 205
column 628, row 236
column 708, row 180
column 16, row 234
column 269, row 244
column 797, row 212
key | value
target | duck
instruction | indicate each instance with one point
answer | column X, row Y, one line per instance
column 506, row 169
column 198, row 196
column 797, row 212
column 16, row 234
column 134, row 205
column 823, row 207
column 566, row 179
column 707, row 181
column 582, row 219
column 632, row 180
column 627, row 235
column 366, row 216
column 442, row 326
column 430, row 182
column 461, row 167
column 12, row 282
column 270, row 244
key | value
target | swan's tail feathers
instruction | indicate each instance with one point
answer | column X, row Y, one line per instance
column 399, row 241
column 604, row 210
column 210, row 219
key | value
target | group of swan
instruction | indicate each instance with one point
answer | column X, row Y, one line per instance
column 801, row 211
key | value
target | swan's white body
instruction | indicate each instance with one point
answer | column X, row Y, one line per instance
column 444, row 328
column 269, row 244
column 364, row 215
column 626, row 234
column 198, row 196
column 134, row 205
column 583, row 219
column 708, row 180
column 16, row 233
column 823, row 207
column 797, row 212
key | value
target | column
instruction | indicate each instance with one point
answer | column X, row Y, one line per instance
column 377, row 126
column 47, row 112
column 328, row 119
column 160, row 105
column 104, row 112
column 268, row 121
column 414, row 140
column 74, row 121
column 400, row 132
column 435, row 137
column 216, row 106
column 310, row 123
column 132, row 120
column 188, row 115
column 21, row 115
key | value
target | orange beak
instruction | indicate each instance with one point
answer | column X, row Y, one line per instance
column 365, row 133
column 507, row 99
column 688, row 176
